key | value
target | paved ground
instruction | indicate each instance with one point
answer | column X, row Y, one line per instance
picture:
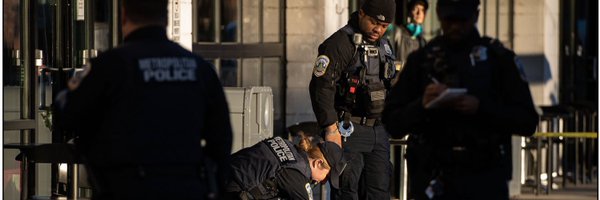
column 571, row 192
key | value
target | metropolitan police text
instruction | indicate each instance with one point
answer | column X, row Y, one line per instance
column 168, row 69
column 281, row 149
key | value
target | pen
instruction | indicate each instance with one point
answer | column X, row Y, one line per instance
column 433, row 79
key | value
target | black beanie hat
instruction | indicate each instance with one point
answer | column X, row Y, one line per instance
column 412, row 4
column 382, row 10
column 457, row 9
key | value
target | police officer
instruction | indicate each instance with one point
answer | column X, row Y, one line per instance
column 409, row 37
column 462, row 145
column 142, row 112
column 348, row 88
column 275, row 168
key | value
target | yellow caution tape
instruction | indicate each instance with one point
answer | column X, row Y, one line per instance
column 568, row 134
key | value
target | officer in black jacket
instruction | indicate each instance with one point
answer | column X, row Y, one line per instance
column 275, row 168
column 142, row 112
column 461, row 147
column 349, row 85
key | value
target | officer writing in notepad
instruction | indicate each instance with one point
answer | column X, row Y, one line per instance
column 461, row 148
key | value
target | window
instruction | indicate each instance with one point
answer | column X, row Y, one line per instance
column 244, row 41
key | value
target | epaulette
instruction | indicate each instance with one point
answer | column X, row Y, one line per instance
column 432, row 48
column 496, row 46
column 348, row 29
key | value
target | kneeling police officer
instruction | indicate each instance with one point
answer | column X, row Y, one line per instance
column 275, row 168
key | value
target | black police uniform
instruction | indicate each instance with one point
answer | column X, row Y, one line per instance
column 141, row 112
column 469, row 154
column 271, row 169
column 347, row 86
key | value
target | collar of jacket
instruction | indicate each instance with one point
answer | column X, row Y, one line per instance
column 466, row 44
column 407, row 32
column 147, row 33
column 353, row 21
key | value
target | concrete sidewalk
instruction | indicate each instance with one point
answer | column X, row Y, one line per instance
column 571, row 192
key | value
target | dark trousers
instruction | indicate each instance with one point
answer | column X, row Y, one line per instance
column 458, row 184
column 367, row 176
column 127, row 183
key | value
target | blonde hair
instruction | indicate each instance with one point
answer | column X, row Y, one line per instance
column 313, row 151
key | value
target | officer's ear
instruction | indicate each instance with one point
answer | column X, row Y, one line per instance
column 361, row 13
column 318, row 163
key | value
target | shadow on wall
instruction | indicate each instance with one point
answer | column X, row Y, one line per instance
column 537, row 70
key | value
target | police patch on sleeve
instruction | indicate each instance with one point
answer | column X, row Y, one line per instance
column 387, row 48
column 321, row 65
column 309, row 191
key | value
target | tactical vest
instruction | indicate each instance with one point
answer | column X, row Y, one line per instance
column 363, row 86
column 265, row 160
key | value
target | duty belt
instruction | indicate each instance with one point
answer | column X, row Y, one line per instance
column 366, row 121
column 161, row 171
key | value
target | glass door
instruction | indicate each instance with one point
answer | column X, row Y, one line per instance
column 45, row 42
column 244, row 40
column 18, row 120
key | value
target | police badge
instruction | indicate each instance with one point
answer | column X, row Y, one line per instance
column 387, row 48
column 309, row 191
column 321, row 65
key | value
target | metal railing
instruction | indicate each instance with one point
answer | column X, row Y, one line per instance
column 565, row 147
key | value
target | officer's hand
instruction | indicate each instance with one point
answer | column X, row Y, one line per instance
column 432, row 91
column 73, row 83
column 78, row 77
column 332, row 134
column 467, row 104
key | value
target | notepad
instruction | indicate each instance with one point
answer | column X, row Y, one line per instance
column 447, row 95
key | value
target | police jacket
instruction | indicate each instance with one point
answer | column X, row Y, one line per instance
column 343, row 81
column 489, row 72
column 149, row 102
column 272, row 168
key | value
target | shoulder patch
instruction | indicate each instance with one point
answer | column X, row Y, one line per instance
column 321, row 65
column 387, row 48
column 479, row 53
column 309, row 191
